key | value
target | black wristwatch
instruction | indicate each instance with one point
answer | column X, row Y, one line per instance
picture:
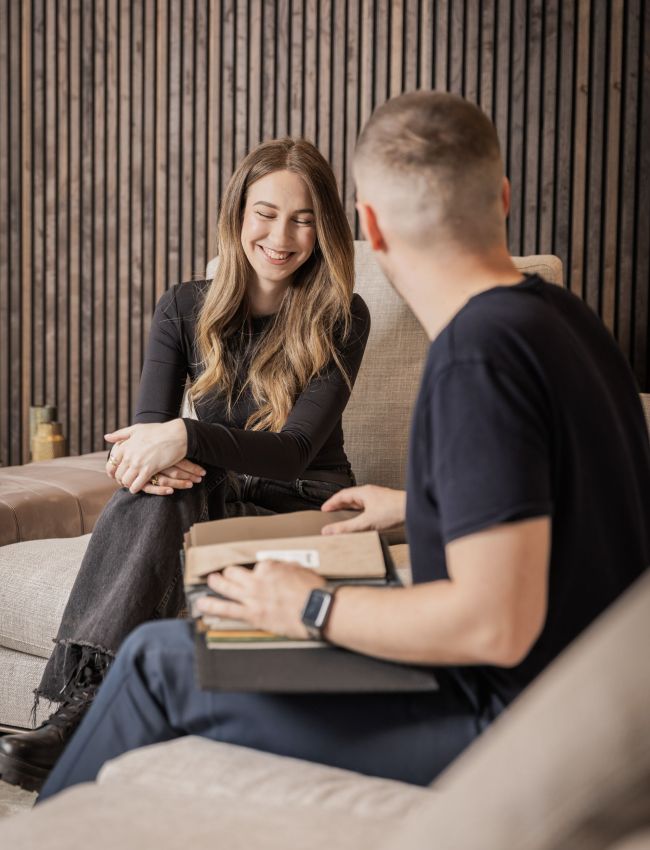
column 317, row 611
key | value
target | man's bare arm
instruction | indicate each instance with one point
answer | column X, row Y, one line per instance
column 490, row 611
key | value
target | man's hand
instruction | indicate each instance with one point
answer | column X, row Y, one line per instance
column 382, row 509
column 271, row 596
column 143, row 451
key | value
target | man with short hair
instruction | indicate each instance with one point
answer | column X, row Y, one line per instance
column 526, row 505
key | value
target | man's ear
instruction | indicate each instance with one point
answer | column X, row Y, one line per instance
column 370, row 227
column 505, row 196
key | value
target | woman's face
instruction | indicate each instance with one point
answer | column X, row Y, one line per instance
column 278, row 231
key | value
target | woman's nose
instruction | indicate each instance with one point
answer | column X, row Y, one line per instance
column 280, row 232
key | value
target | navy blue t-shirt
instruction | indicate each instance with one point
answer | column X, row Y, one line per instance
column 528, row 408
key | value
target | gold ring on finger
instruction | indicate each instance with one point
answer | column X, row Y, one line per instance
column 154, row 480
column 112, row 460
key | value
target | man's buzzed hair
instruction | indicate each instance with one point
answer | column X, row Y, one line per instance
column 432, row 163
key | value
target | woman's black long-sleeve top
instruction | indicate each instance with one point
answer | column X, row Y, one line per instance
column 312, row 437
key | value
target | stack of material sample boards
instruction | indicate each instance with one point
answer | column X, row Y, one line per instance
column 232, row 656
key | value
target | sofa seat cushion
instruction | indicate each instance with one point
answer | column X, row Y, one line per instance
column 54, row 498
column 194, row 766
column 106, row 817
column 35, row 581
column 20, row 675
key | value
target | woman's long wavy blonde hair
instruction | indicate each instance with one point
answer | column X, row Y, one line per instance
column 314, row 312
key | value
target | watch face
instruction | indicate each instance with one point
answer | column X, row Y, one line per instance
column 316, row 608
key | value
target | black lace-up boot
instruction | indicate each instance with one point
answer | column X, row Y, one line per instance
column 27, row 758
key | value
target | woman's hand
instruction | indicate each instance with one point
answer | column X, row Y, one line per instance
column 142, row 451
column 381, row 509
column 271, row 596
column 183, row 476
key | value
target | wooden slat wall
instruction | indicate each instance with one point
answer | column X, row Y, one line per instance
column 121, row 121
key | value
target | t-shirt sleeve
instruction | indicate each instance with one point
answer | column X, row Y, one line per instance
column 286, row 454
column 164, row 372
column 491, row 449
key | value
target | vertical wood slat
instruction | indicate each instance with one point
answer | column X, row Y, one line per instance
column 136, row 261
column 86, row 230
column 111, row 317
column 161, row 30
column 24, row 276
column 98, row 271
column 580, row 141
column 564, row 142
column 627, row 187
column 121, row 122
column 62, row 233
column 548, row 125
column 74, row 353
column 532, row 199
column 641, row 350
column 213, row 188
column 48, row 257
column 39, row 110
column 612, row 141
column 595, row 157
column 200, row 146
column 9, row 422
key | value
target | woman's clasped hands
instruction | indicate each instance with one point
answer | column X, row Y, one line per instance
column 152, row 458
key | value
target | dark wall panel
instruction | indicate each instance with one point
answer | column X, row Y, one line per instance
column 122, row 120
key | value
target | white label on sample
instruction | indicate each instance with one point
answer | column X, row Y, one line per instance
column 304, row 557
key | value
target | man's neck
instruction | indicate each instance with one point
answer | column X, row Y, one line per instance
column 437, row 284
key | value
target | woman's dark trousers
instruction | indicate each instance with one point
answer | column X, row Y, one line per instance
column 131, row 571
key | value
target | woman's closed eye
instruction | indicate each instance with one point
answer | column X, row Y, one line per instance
column 303, row 221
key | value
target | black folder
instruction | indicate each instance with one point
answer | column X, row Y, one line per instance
column 312, row 669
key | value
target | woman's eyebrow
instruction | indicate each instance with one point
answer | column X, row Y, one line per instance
column 274, row 207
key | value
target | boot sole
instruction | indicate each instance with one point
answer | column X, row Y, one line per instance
column 26, row 776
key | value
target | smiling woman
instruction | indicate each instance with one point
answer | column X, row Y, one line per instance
column 271, row 348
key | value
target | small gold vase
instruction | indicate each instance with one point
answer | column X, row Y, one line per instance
column 48, row 441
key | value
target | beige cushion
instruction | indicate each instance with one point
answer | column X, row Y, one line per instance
column 35, row 582
column 195, row 766
column 193, row 792
column 107, row 817
column 20, row 674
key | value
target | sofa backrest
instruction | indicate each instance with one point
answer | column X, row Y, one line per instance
column 376, row 420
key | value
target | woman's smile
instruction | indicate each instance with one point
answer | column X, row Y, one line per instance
column 277, row 258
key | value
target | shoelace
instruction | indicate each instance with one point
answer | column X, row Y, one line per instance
column 75, row 706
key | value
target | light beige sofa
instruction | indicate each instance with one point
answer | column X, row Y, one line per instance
column 567, row 767
column 35, row 578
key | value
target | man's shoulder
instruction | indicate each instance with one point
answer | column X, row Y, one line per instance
column 505, row 326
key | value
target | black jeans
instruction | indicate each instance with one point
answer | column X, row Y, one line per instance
column 131, row 571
